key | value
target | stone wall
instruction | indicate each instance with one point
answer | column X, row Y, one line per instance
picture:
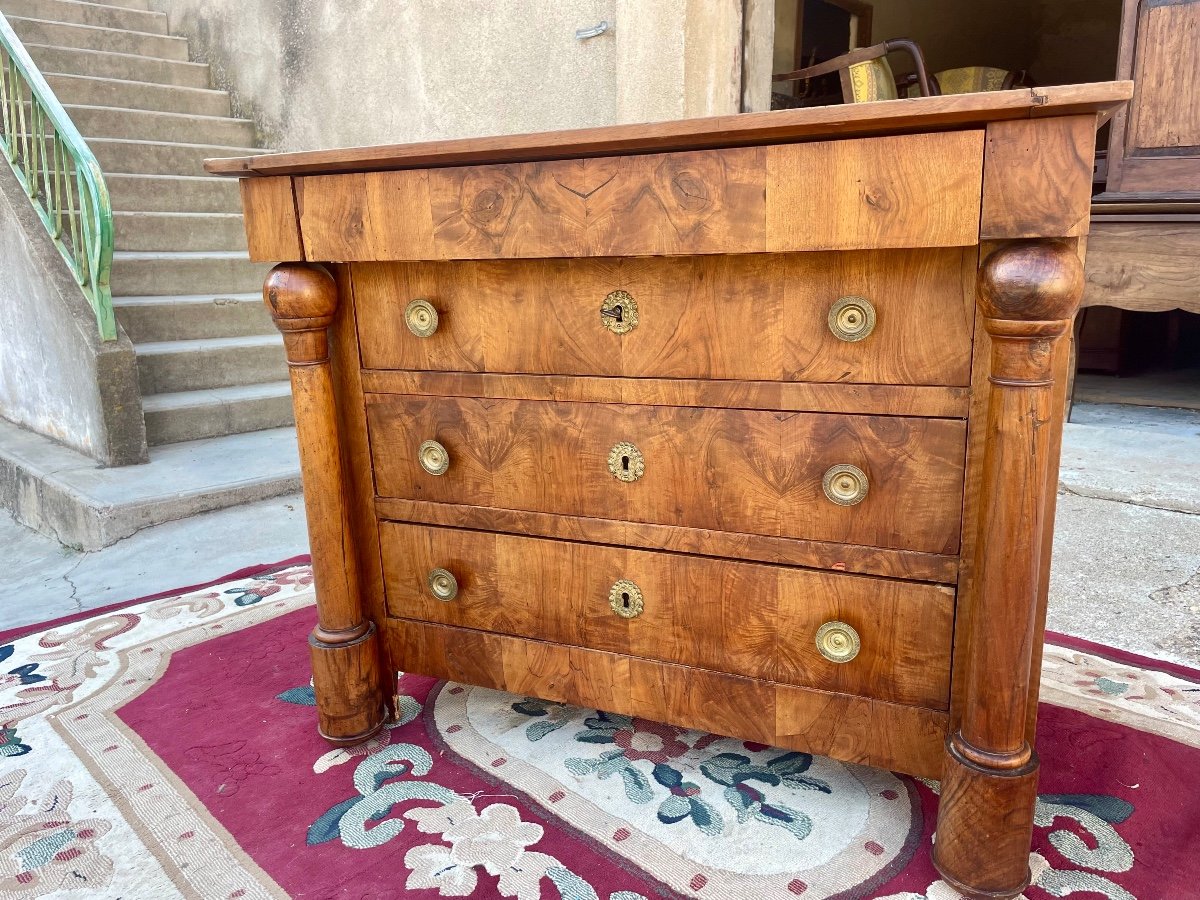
column 318, row 73
column 56, row 376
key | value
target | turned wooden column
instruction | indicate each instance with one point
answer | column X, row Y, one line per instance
column 343, row 646
column 1028, row 294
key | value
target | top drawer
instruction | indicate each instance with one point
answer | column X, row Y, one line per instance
column 746, row 317
column 915, row 190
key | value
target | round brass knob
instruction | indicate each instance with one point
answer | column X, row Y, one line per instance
column 851, row 318
column 838, row 642
column 845, row 485
column 443, row 584
column 433, row 457
column 421, row 317
column 619, row 312
column 625, row 462
column 625, row 599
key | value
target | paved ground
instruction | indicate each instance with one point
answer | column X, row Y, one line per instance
column 1126, row 568
column 44, row 580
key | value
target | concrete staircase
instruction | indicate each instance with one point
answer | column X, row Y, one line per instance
column 210, row 363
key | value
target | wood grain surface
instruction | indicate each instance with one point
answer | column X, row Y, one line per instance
column 742, row 618
column 761, row 317
column 727, row 470
column 779, row 126
column 270, row 219
column 855, row 729
column 1038, row 178
column 907, row 564
column 795, row 396
column 900, row 191
column 1147, row 267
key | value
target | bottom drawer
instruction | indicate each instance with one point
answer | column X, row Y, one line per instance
column 855, row 729
column 750, row 619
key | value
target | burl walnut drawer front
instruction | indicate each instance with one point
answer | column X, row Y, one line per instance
column 917, row 190
column 882, row 481
column 869, row 317
column 852, row 634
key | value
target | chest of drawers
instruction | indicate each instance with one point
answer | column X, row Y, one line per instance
column 748, row 425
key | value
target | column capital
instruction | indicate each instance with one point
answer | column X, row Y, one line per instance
column 302, row 300
column 1030, row 281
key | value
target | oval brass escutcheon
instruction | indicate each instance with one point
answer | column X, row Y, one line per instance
column 443, row 584
column 421, row 317
column 619, row 312
column 626, row 599
column 838, row 642
column 434, row 458
column 625, row 462
column 845, row 485
column 851, row 318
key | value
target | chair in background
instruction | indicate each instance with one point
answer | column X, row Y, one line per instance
column 865, row 72
column 968, row 80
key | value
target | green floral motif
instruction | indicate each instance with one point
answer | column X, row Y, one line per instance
column 494, row 838
column 638, row 740
column 553, row 716
column 736, row 771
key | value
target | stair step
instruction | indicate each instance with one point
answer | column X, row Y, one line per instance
column 66, row 495
column 90, row 37
column 151, row 125
column 159, row 157
column 81, row 13
column 128, row 4
column 191, row 415
column 84, row 90
column 103, row 64
column 172, row 193
column 192, row 316
column 178, row 231
column 167, row 367
column 159, row 273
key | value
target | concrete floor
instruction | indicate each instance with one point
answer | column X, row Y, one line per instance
column 44, row 580
column 1126, row 569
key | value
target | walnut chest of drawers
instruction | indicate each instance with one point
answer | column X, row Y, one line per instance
column 748, row 425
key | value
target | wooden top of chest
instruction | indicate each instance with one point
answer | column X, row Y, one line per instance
column 743, row 130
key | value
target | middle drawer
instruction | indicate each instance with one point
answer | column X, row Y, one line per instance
column 852, row 634
column 881, row 481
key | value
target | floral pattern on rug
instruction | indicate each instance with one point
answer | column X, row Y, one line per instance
column 168, row 749
column 44, row 850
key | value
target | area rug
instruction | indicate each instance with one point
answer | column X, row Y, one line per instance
column 168, row 749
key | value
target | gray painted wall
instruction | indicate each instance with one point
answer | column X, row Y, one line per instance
column 56, row 376
column 330, row 73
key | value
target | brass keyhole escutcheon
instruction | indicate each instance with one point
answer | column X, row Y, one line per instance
column 619, row 312
column 838, row 642
column 845, row 485
column 434, row 458
column 851, row 318
column 443, row 584
column 625, row 462
column 421, row 317
column 625, row 599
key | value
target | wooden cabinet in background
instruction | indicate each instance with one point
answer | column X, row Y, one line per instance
column 1154, row 150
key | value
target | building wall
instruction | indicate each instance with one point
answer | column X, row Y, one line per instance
column 56, row 376
column 324, row 73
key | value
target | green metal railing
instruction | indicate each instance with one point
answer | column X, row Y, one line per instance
column 60, row 175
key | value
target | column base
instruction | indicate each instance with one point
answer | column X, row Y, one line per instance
column 348, row 688
column 985, row 827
